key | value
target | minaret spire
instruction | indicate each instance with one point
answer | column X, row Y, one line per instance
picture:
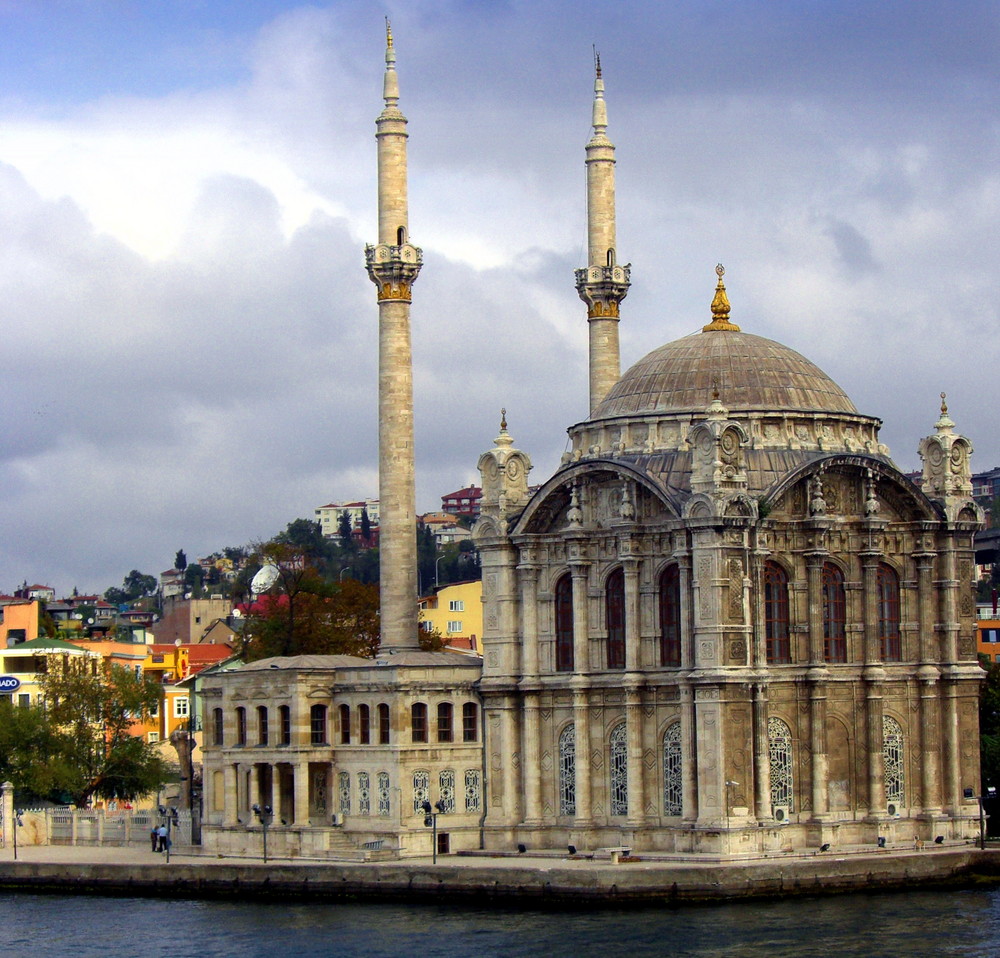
column 603, row 284
column 393, row 266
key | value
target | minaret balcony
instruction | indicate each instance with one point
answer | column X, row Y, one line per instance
column 393, row 269
column 602, row 288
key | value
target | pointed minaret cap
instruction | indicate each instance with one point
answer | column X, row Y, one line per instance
column 720, row 307
column 390, row 86
column 944, row 425
column 600, row 115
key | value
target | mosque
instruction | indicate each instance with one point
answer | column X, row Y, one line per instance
column 728, row 624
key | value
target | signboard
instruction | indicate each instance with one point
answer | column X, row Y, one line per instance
column 9, row 683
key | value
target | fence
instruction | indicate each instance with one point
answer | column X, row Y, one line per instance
column 79, row 826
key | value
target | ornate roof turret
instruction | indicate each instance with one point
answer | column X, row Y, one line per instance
column 505, row 477
column 720, row 307
column 947, row 472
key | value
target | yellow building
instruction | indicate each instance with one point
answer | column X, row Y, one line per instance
column 456, row 612
column 23, row 665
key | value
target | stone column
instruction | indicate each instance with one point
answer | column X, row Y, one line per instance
column 300, row 793
column 930, row 742
column 529, row 620
column 949, row 732
column 761, row 754
column 636, row 784
column 686, row 612
column 581, row 623
column 581, row 729
column 532, row 760
column 874, row 744
column 513, row 765
column 817, row 735
column 869, row 605
column 814, row 578
column 7, row 824
column 630, row 569
column 930, row 649
column 253, row 789
column 231, row 796
column 689, row 755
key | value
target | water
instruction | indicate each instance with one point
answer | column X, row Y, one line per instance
column 922, row 923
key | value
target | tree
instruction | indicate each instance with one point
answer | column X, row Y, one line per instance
column 194, row 578
column 989, row 725
column 180, row 561
column 94, row 708
column 31, row 754
column 366, row 526
column 136, row 585
column 345, row 532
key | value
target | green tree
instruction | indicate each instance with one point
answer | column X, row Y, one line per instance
column 366, row 526
column 94, row 708
column 180, row 561
column 194, row 579
column 32, row 754
column 136, row 585
column 345, row 532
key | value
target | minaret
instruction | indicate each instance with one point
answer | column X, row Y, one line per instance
column 603, row 284
column 393, row 266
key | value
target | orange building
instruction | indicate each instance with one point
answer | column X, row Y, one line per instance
column 988, row 636
column 20, row 622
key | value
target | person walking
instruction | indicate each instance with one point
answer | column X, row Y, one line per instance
column 161, row 833
column 154, row 838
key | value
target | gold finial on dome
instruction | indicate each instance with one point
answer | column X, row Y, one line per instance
column 388, row 33
column 720, row 307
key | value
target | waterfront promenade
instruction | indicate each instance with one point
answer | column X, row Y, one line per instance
column 540, row 878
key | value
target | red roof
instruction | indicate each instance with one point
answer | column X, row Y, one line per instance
column 469, row 492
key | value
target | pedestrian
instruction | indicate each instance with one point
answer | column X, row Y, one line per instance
column 161, row 833
column 154, row 838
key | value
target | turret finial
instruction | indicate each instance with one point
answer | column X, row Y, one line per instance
column 600, row 117
column 503, row 419
column 720, row 307
column 388, row 34
column 597, row 63
column 390, row 85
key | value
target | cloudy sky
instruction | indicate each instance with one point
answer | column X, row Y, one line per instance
column 186, row 187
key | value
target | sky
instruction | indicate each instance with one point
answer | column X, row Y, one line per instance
column 187, row 186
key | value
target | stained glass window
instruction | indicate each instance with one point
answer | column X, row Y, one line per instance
column 364, row 794
column 446, row 790
column 834, row 614
column 421, row 788
column 383, row 793
column 888, row 613
column 778, row 641
column 345, row 793
column 779, row 739
column 473, row 790
column 892, row 752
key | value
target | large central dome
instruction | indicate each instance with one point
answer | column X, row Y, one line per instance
column 750, row 373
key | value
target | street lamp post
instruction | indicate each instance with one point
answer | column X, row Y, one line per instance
column 18, row 812
column 265, row 815
column 431, row 821
column 436, row 562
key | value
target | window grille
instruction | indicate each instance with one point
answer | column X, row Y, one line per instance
column 444, row 722
column 418, row 722
column 421, row 790
column 888, row 613
column 779, row 740
column 446, row 790
column 345, row 793
column 567, row 771
column 364, row 794
column 473, row 790
column 317, row 725
column 834, row 614
column 619, row 770
column 673, row 789
column 383, row 793
column 470, row 722
column 892, row 752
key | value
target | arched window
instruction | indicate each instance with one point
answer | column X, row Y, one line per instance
column 567, row 771
column 892, row 753
column 364, row 724
column 834, row 614
column 262, row 725
column 470, row 722
column 218, row 727
column 317, row 725
column 241, row 726
column 445, row 712
column 779, row 741
column 345, row 725
column 400, row 235
column 564, row 624
column 383, row 724
column 776, row 632
column 615, row 619
column 619, row 769
column 383, row 793
column 888, row 613
column 418, row 722
column 670, row 616
column 673, row 791
column 285, row 721
column 364, row 794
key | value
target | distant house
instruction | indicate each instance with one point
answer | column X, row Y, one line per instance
column 44, row 593
column 328, row 516
column 464, row 502
column 455, row 611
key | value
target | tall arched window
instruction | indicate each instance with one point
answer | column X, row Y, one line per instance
column 383, row 724
column 567, row 771
column 285, row 723
column 779, row 741
column 670, row 616
column 470, row 722
column 834, row 614
column 345, row 725
column 418, row 722
column 364, row 725
column 615, row 619
column 218, row 726
column 619, row 769
column 892, row 754
column 564, row 624
column 262, row 730
column 445, row 722
column 888, row 613
column 673, row 791
column 241, row 726
column 776, row 632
